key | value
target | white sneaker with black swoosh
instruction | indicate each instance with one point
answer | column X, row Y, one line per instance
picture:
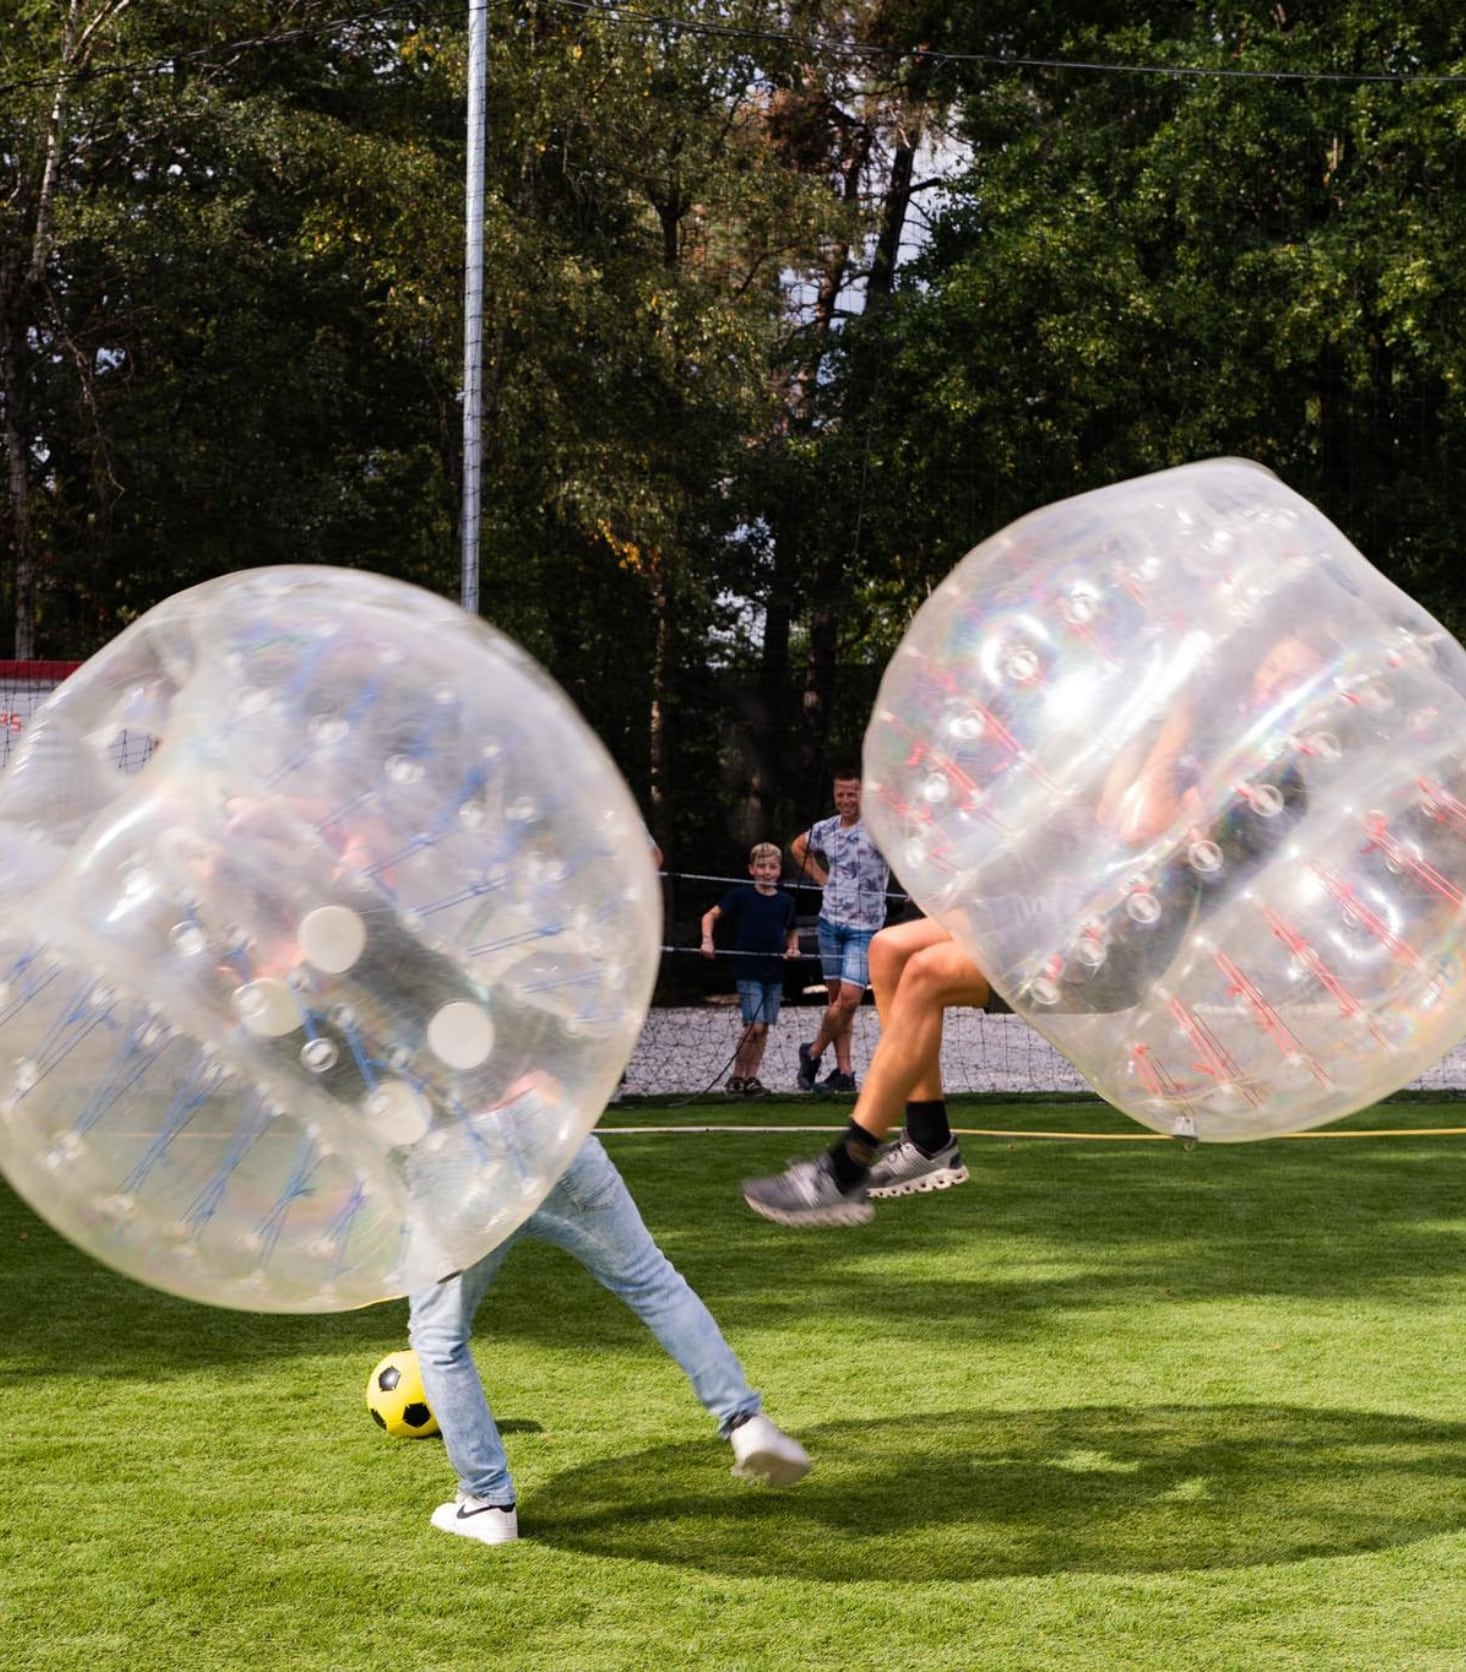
column 764, row 1453
column 473, row 1518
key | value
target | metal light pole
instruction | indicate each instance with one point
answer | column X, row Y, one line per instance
column 473, row 302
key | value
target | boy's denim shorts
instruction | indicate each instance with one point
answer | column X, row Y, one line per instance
column 760, row 1000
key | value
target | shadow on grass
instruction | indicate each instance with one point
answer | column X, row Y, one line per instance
column 989, row 1495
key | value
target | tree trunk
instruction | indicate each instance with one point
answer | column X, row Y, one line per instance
column 13, row 392
column 657, row 741
column 22, row 286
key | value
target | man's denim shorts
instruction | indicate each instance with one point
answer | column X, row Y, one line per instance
column 845, row 953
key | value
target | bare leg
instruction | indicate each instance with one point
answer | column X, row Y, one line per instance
column 907, row 1061
column 846, row 1003
column 751, row 1050
column 918, row 972
column 835, row 1023
column 890, row 952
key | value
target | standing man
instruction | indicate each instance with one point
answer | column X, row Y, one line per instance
column 854, row 878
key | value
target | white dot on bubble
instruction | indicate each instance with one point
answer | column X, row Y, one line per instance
column 64, row 1151
column 318, row 1055
column 461, row 1035
column 266, row 1008
column 1204, row 856
column 187, row 939
column 398, row 1114
column 331, row 938
column 1267, row 801
column 329, row 728
column 1143, row 908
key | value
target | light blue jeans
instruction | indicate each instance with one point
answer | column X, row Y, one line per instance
column 591, row 1215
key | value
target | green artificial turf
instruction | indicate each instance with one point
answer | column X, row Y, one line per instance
column 1114, row 1404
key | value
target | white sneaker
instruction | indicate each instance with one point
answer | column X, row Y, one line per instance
column 473, row 1518
column 763, row 1452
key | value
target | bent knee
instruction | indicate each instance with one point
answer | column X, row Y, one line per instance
column 944, row 975
column 887, row 960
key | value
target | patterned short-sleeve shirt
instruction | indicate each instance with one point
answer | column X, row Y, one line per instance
column 855, row 895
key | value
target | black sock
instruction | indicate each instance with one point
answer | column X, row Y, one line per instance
column 927, row 1126
column 851, row 1157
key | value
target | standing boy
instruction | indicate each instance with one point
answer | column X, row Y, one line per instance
column 764, row 933
column 854, row 878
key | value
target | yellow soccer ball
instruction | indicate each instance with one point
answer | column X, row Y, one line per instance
column 395, row 1397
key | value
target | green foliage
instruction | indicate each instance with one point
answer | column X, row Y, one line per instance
column 725, row 454
column 1134, row 271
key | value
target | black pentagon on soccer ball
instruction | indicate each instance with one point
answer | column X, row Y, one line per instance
column 389, row 1378
column 379, row 1419
column 416, row 1415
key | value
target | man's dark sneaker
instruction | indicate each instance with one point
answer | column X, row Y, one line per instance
column 809, row 1066
column 736, row 1087
column 902, row 1170
column 754, row 1087
column 806, row 1194
column 835, row 1080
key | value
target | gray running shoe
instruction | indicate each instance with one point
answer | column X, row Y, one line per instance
column 902, row 1170
column 807, row 1195
column 838, row 1080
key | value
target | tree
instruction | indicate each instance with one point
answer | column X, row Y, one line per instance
column 41, row 57
column 1137, row 270
column 641, row 225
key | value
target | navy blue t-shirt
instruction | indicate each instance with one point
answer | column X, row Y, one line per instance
column 760, row 923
